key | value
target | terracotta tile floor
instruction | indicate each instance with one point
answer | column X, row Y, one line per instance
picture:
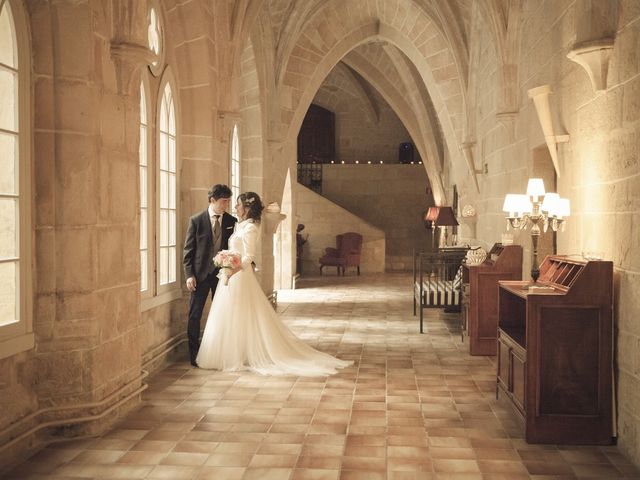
column 413, row 407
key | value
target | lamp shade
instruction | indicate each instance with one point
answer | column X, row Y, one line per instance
column 524, row 204
column 535, row 188
column 563, row 207
column 445, row 218
column 550, row 203
column 510, row 204
column 432, row 213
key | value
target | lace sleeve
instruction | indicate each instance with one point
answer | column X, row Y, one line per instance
column 250, row 239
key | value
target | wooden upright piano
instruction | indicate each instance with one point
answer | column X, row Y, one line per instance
column 555, row 355
column 480, row 295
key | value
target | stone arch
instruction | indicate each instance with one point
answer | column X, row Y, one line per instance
column 364, row 96
column 450, row 113
column 421, row 132
column 411, row 29
column 351, row 83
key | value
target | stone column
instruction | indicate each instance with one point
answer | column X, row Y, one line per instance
column 87, row 296
column 271, row 219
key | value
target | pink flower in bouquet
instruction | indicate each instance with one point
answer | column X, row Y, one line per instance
column 227, row 260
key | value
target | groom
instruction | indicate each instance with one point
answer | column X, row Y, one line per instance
column 208, row 233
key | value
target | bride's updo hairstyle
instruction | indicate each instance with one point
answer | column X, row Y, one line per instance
column 252, row 203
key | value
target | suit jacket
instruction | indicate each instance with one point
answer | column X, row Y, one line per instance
column 198, row 245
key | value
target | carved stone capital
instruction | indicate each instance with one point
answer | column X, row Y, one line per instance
column 594, row 56
column 128, row 57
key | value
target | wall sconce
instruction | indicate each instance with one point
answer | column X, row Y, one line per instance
column 536, row 208
column 445, row 218
column 540, row 96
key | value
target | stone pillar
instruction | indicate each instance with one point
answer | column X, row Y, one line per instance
column 271, row 219
column 88, row 270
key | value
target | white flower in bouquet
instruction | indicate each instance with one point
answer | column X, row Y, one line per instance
column 227, row 261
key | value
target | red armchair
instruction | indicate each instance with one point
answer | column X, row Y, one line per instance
column 346, row 254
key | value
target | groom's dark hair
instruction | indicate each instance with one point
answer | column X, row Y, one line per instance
column 219, row 191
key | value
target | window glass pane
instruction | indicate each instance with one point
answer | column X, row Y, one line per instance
column 172, row 117
column 172, row 190
column 144, row 281
column 235, row 165
column 8, row 163
column 8, row 54
column 143, row 228
column 172, row 264
column 8, row 282
column 163, row 151
column 164, row 271
column 164, row 230
column 172, row 154
column 143, row 145
column 8, row 97
column 143, row 106
column 164, row 192
column 143, row 187
column 8, row 225
column 163, row 115
column 234, row 147
column 172, row 227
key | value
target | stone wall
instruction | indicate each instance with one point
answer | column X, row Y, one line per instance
column 92, row 340
column 391, row 197
column 324, row 220
column 86, row 265
column 599, row 167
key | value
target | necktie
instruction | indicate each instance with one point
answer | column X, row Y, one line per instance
column 216, row 228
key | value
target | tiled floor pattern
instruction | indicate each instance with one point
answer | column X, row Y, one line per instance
column 413, row 407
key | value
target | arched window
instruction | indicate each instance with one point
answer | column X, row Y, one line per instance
column 15, row 180
column 167, row 187
column 235, row 166
column 144, row 191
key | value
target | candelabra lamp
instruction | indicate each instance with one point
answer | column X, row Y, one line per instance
column 537, row 210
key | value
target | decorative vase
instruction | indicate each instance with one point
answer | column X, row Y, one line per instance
column 476, row 257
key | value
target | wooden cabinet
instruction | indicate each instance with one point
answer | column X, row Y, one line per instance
column 555, row 357
column 480, row 295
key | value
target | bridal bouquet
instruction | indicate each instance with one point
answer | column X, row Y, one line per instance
column 227, row 260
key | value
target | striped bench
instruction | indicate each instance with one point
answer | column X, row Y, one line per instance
column 437, row 280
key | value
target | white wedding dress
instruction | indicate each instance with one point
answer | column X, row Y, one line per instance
column 243, row 332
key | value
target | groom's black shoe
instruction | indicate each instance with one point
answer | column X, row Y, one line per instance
column 194, row 364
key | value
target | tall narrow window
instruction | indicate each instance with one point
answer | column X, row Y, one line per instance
column 16, row 302
column 167, row 188
column 144, row 193
column 235, row 165
column 9, row 172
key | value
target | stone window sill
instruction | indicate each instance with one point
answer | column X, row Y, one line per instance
column 161, row 299
column 14, row 345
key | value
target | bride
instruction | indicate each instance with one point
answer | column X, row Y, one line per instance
column 243, row 332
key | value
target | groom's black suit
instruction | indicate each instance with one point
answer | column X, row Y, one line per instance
column 197, row 260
